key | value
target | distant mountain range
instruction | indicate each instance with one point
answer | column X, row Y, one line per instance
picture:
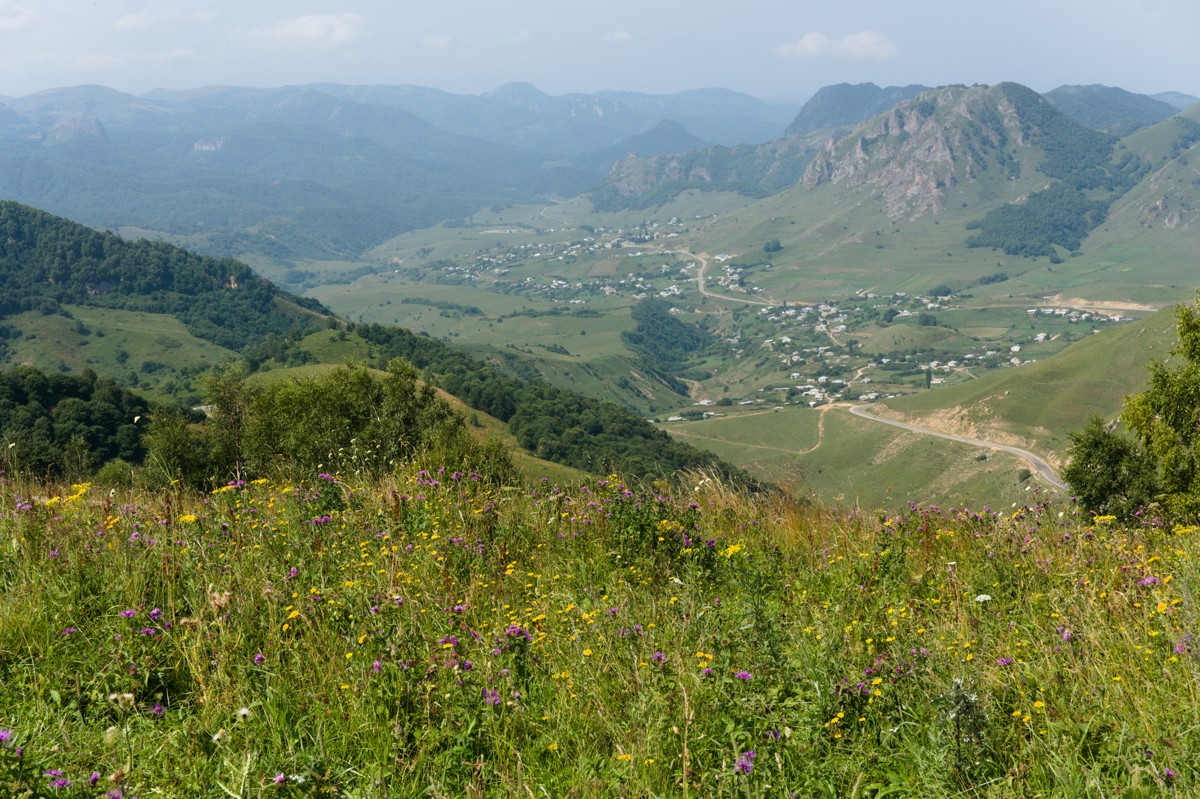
column 326, row 170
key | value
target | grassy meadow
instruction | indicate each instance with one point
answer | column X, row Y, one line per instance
column 854, row 462
column 440, row 635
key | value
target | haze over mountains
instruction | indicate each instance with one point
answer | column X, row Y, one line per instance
column 898, row 228
column 329, row 170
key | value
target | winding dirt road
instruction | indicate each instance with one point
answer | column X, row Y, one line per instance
column 1044, row 470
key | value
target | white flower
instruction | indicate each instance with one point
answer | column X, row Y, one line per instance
column 243, row 713
column 983, row 598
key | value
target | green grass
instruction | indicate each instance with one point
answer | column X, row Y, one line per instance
column 855, row 462
column 434, row 635
column 1040, row 403
column 160, row 359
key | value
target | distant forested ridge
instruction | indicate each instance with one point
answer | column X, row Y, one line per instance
column 47, row 261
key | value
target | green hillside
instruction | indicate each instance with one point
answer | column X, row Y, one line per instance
column 1039, row 403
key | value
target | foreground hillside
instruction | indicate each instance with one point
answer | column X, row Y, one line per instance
column 440, row 635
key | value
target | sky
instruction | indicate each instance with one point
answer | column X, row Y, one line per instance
column 781, row 50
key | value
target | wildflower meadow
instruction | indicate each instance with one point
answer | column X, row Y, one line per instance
column 439, row 634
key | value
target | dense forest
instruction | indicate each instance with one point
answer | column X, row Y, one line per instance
column 663, row 343
column 67, row 425
column 47, row 261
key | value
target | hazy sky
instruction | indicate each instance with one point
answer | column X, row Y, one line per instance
column 774, row 49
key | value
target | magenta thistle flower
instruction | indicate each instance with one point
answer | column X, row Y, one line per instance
column 745, row 763
column 128, row 613
column 259, row 659
column 658, row 657
column 280, row 778
column 744, row 676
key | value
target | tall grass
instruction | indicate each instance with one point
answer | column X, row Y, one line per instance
column 439, row 635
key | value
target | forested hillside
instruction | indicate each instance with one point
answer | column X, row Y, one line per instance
column 50, row 263
column 47, row 261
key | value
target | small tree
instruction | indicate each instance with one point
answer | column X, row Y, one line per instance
column 1166, row 418
column 1109, row 473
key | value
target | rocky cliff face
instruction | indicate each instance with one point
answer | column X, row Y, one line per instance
column 913, row 154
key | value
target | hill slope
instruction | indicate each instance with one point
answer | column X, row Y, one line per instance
column 1109, row 108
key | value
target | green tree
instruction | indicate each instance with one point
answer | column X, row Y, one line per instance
column 1166, row 418
column 229, row 398
column 1109, row 473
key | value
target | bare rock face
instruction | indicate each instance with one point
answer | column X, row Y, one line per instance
column 76, row 127
column 917, row 151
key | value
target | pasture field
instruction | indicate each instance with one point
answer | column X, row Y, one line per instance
column 847, row 461
column 153, row 353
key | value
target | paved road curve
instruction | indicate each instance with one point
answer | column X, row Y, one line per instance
column 1044, row 470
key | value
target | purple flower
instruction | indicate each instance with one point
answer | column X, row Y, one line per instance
column 491, row 697
column 149, row 631
column 744, row 675
column 280, row 778
column 1169, row 775
column 377, row 667
column 706, row 672
column 658, row 657
column 6, row 736
column 128, row 614
column 157, row 709
column 745, row 763
column 156, row 614
column 95, row 778
column 1004, row 661
column 259, row 659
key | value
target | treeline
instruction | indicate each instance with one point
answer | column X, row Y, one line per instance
column 553, row 423
column 47, row 261
column 68, row 425
column 663, row 343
